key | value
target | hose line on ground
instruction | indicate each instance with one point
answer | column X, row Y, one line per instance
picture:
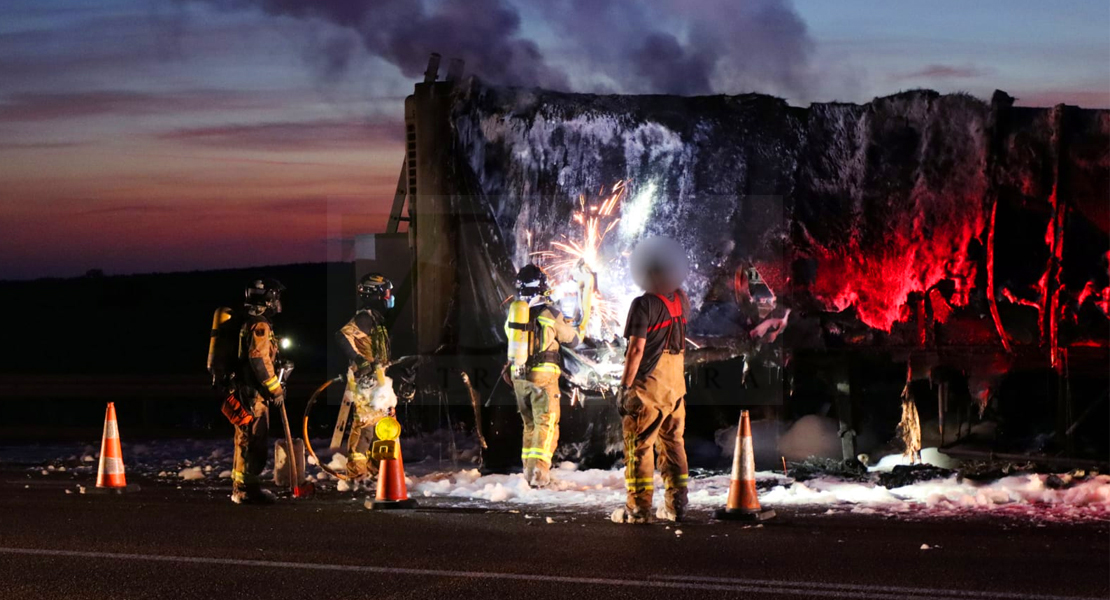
column 308, row 444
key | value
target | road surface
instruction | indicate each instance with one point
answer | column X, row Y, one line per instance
column 169, row 543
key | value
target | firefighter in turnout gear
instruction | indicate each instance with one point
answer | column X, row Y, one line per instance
column 257, row 383
column 652, row 399
column 365, row 342
column 536, row 329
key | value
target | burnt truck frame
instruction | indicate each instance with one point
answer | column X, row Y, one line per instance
column 1037, row 365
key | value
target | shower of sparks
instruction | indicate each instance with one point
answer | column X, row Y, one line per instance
column 591, row 223
column 594, row 222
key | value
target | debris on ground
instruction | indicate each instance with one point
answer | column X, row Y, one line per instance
column 814, row 467
column 903, row 475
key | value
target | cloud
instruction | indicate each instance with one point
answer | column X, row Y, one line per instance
column 943, row 72
column 40, row 145
column 239, row 159
column 135, row 209
column 324, row 134
column 48, row 106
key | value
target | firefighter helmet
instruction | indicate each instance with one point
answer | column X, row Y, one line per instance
column 264, row 295
column 375, row 291
column 531, row 281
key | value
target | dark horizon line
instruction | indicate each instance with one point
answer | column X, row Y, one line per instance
column 103, row 275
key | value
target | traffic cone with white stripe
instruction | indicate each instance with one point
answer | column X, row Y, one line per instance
column 743, row 501
column 110, row 474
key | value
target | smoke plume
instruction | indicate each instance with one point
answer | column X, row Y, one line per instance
column 671, row 46
column 484, row 33
column 690, row 46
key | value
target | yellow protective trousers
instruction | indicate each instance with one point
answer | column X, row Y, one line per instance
column 359, row 439
column 654, row 424
column 251, row 441
column 537, row 398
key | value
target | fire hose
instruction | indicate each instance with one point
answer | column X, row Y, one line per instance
column 304, row 431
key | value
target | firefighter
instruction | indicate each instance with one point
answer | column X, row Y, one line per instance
column 652, row 394
column 258, row 383
column 365, row 342
column 536, row 329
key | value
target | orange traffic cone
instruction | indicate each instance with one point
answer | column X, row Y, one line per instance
column 743, row 501
column 110, row 474
column 392, row 491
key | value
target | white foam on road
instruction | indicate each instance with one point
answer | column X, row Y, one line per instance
column 453, row 478
column 1026, row 495
column 191, row 474
column 736, row 585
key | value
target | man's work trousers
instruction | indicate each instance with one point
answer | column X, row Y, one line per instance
column 358, row 442
column 654, row 423
column 538, row 400
column 251, row 441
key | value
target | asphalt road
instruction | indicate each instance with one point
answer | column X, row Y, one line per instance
column 168, row 543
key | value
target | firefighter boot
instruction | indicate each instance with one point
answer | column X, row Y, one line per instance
column 529, row 469
column 674, row 508
column 357, row 466
column 633, row 517
column 251, row 494
column 541, row 477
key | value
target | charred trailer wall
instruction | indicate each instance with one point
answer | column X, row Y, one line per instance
column 939, row 231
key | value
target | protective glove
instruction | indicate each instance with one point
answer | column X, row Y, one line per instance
column 365, row 369
column 284, row 366
column 278, row 399
column 622, row 395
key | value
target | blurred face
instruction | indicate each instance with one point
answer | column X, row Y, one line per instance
column 659, row 265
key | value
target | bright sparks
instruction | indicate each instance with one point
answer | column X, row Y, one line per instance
column 594, row 222
column 591, row 223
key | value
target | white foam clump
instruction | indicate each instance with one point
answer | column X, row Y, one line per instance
column 382, row 397
column 569, row 487
column 191, row 473
column 338, row 462
column 1023, row 495
column 929, row 456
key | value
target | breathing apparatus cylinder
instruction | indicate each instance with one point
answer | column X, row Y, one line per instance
column 217, row 351
column 517, row 330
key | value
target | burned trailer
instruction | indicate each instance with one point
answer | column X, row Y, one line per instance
column 844, row 256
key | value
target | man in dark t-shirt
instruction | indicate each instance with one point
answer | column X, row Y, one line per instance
column 652, row 402
column 650, row 319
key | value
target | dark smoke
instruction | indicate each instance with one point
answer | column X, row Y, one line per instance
column 666, row 46
column 668, row 67
column 484, row 33
column 690, row 46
